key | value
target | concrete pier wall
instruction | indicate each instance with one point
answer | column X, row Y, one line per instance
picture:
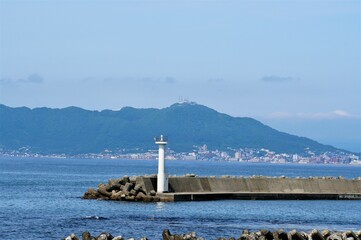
column 262, row 184
column 198, row 188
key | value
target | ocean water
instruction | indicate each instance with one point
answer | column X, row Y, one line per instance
column 41, row 199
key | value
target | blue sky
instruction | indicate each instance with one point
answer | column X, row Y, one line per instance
column 294, row 65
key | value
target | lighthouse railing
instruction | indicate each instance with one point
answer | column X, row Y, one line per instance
column 161, row 139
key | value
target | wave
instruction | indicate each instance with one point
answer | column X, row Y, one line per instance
column 94, row 218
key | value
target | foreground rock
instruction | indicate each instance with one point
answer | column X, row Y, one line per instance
column 246, row 235
column 102, row 236
column 121, row 189
column 189, row 236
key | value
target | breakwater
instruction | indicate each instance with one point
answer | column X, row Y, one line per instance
column 246, row 235
column 193, row 188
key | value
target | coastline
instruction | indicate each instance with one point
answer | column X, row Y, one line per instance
column 358, row 163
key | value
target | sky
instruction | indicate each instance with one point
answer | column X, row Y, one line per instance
column 294, row 65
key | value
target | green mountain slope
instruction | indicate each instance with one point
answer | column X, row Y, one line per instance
column 74, row 130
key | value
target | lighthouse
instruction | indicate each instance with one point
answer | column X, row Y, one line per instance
column 162, row 178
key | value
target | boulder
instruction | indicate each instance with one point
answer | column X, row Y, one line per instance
column 102, row 190
column 104, row 236
column 280, row 235
column 316, row 235
column 294, row 235
column 167, row 235
column 116, row 195
column 130, row 198
column 114, row 181
column 128, row 186
column 247, row 235
column 87, row 236
column 245, row 231
column 335, row 236
column 252, row 236
column 140, row 196
column 111, row 187
column 137, row 187
column 126, row 179
column 71, row 237
column 191, row 235
column 118, row 238
column 91, row 194
column 350, row 234
column 133, row 192
column 326, row 233
column 267, row 234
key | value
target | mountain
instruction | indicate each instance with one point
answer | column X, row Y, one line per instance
column 74, row 130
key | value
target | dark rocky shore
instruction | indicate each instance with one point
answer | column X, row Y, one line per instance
column 246, row 235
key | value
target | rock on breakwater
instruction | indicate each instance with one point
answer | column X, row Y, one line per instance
column 121, row 189
column 246, row 235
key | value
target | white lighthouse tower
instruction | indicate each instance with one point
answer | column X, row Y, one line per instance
column 162, row 178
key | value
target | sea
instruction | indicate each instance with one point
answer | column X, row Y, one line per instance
column 40, row 198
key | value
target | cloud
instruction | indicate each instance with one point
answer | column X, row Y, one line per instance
column 275, row 78
column 35, row 78
column 342, row 113
column 336, row 114
column 32, row 78
column 328, row 115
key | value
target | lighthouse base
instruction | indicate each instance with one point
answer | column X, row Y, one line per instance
column 162, row 183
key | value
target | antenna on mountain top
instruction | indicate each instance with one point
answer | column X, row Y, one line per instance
column 183, row 100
